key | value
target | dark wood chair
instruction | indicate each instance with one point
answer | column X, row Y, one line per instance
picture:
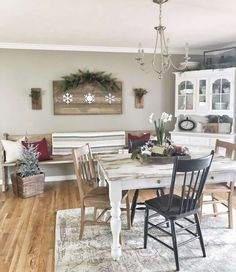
column 135, row 205
column 91, row 194
column 175, row 206
column 221, row 193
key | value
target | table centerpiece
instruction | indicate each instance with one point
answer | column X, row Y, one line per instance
column 160, row 149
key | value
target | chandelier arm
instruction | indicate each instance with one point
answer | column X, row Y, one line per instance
column 178, row 68
column 155, row 48
column 167, row 63
column 165, row 43
column 164, row 53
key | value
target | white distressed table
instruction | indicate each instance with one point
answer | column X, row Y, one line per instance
column 123, row 173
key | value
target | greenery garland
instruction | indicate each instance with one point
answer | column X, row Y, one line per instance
column 101, row 79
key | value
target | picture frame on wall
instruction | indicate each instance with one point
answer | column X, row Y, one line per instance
column 220, row 58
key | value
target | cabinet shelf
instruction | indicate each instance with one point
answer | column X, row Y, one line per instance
column 220, row 93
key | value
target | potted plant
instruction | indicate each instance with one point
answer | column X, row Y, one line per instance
column 139, row 93
column 28, row 180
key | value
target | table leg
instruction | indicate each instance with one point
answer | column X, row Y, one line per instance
column 115, row 193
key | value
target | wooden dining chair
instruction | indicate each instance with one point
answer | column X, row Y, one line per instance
column 178, row 205
column 135, row 205
column 221, row 193
column 91, row 194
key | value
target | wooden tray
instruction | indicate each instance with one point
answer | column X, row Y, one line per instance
column 162, row 159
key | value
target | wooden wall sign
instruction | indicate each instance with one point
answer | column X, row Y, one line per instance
column 86, row 99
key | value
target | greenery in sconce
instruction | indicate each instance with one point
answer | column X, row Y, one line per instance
column 140, row 92
column 100, row 79
column 35, row 93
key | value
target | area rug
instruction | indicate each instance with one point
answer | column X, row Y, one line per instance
column 93, row 252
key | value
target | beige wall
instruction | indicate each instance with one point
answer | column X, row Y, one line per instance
column 20, row 70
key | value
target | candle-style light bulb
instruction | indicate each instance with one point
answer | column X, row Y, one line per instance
column 186, row 51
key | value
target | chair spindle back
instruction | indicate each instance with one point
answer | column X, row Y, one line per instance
column 229, row 148
column 194, row 172
column 84, row 168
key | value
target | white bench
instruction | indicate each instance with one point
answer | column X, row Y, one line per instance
column 60, row 146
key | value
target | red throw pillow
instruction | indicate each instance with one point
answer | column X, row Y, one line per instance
column 134, row 141
column 42, row 148
column 143, row 137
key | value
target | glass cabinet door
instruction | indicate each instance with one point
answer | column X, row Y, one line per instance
column 221, row 89
column 202, row 97
column 202, row 100
column 185, row 95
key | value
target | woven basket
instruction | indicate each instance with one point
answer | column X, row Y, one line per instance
column 28, row 186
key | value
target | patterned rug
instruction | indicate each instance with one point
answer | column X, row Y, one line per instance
column 93, row 252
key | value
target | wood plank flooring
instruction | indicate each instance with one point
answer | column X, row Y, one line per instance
column 27, row 226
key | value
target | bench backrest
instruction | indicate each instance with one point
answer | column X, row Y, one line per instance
column 62, row 143
column 100, row 142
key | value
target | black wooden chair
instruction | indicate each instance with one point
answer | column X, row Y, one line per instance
column 141, row 205
column 179, row 205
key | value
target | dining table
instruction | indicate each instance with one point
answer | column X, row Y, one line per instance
column 121, row 172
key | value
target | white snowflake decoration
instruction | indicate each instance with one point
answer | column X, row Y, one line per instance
column 67, row 98
column 110, row 98
column 89, row 98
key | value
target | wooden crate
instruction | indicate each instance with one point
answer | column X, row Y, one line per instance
column 212, row 128
column 28, row 186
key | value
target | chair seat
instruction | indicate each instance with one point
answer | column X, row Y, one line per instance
column 218, row 187
column 99, row 197
column 98, row 191
column 160, row 204
column 99, row 201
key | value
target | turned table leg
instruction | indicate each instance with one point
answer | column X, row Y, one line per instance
column 115, row 193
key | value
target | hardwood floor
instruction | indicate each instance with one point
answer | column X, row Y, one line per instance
column 27, row 226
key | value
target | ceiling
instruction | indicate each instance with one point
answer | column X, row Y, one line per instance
column 115, row 25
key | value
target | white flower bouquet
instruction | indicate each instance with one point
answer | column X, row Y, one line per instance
column 160, row 126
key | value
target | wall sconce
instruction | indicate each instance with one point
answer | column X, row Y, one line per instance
column 139, row 97
column 36, row 98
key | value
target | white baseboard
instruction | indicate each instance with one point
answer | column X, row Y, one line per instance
column 60, row 178
column 54, row 178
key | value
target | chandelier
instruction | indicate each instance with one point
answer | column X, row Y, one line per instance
column 161, row 62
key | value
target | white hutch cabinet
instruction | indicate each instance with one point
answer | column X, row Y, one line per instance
column 201, row 93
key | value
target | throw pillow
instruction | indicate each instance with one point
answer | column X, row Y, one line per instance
column 135, row 141
column 13, row 150
column 42, row 148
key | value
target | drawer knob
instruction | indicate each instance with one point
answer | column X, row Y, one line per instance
column 158, row 181
column 212, row 177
